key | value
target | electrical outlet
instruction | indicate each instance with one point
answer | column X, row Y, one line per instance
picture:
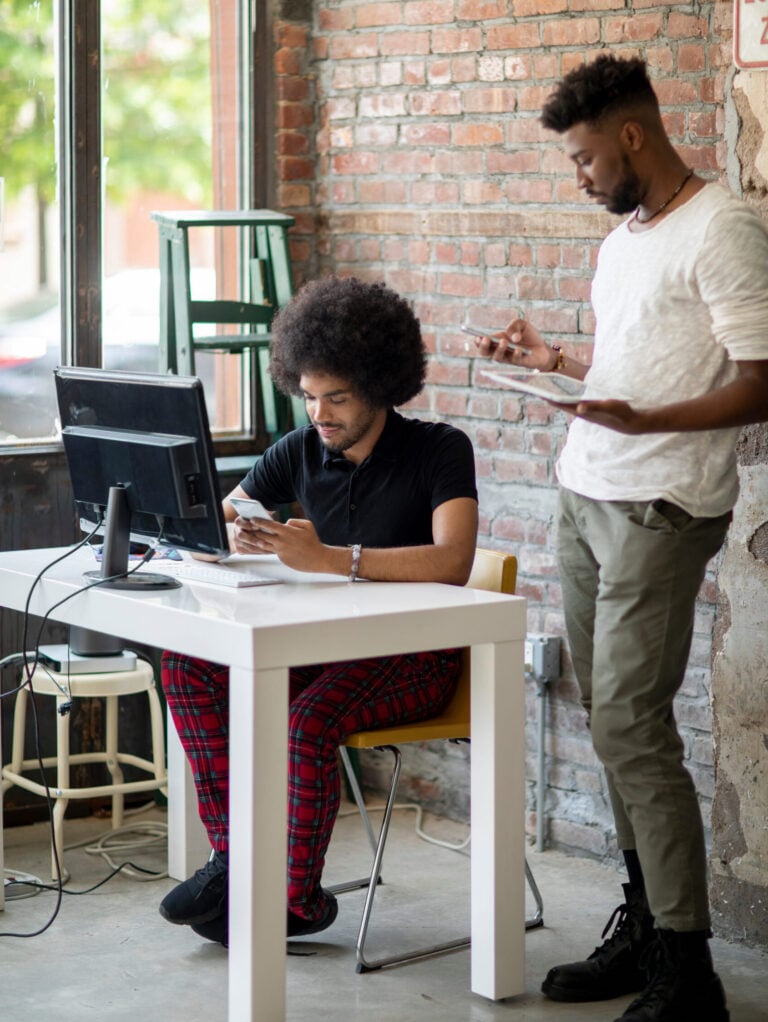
column 542, row 656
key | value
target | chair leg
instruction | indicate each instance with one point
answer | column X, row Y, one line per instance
column 538, row 918
column 369, row 965
column 355, row 885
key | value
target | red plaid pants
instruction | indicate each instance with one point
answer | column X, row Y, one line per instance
column 327, row 703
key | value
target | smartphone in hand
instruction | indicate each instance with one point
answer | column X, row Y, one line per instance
column 247, row 508
column 475, row 332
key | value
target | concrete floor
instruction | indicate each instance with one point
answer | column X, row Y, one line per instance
column 110, row 956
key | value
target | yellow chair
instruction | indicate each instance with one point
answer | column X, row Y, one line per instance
column 493, row 571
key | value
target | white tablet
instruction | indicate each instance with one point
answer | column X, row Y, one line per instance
column 551, row 387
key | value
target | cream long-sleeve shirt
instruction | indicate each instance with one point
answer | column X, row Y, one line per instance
column 675, row 306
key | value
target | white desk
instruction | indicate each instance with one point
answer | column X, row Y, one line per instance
column 260, row 633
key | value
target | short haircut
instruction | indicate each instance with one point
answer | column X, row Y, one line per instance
column 594, row 91
column 363, row 333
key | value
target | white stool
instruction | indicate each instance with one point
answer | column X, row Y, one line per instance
column 108, row 685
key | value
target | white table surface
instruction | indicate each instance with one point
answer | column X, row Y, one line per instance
column 260, row 633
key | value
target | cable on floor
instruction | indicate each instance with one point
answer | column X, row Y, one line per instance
column 417, row 827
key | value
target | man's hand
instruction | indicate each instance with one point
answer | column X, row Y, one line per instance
column 296, row 542
column 520, row 344
column 616, row 415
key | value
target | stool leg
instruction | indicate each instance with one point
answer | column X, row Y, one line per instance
column 113, row 764
column 19, row 732
column 62, row 783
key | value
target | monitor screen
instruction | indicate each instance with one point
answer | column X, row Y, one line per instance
column 140, row 456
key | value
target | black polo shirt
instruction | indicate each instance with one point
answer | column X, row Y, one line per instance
column 388, row 500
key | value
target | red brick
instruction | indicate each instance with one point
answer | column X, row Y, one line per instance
column 290, row 143
column 521, row 161
column 355, row 163
column 481, row 10
column 375, row 134
column 290, row 33
column 482, row 101
column 532, row 8
column 418, row 253
column 386, row 105
column 518, row 36
column 368, row 15
column 686, row 26
column 456, row 40
column 481, row 192
column 404, row 162
column 519, row 189
column 570, row 32
column 292, row 88
column 404, row 43
column 478, row 134
column 691, row 57
column 336, row 19
column 428, row 12
column 353, row 47
column 435, row 104
column 466, row 285
column 289, row 61
column 427, row 193
column 414, row 72
column 636, row 27
column 292, row 168
column 483, row 406
column 293, row 115
column 382, row 191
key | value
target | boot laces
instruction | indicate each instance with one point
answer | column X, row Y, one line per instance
column 658, row 964
column 621, row 932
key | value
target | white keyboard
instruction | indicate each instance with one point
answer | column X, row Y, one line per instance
column 222, row 575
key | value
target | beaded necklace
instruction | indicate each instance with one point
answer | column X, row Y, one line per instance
column 663, row 206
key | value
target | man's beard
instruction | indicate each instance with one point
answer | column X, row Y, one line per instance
column 352, row 435
column 628, row 194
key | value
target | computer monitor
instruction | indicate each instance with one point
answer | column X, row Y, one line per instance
column 140, row 457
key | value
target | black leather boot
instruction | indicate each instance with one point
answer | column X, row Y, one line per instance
column 613, row 968
column 683, row 986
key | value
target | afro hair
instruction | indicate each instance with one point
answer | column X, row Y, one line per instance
column 363, row 333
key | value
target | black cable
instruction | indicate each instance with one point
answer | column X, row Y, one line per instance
column 28, row 671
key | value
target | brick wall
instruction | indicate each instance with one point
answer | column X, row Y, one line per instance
column 409, row 148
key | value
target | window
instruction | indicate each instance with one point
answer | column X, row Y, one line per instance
column 159, row 123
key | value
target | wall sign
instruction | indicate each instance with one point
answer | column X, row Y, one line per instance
column 750, row 35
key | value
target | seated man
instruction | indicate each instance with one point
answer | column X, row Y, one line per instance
column 386, row 498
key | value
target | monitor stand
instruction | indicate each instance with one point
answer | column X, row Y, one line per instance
column 117, row 543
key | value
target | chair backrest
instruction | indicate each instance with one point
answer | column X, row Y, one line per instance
column 495, row 572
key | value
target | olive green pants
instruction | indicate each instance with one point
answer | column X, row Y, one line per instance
column 630, row 573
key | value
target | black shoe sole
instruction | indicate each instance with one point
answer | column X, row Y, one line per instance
column 204, row 917
column 570, row 996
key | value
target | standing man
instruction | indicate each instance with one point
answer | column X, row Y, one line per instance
column 386, row 498
column 648, row 479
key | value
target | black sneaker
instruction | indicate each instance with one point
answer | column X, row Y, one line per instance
column 217, row 929
column 613, row 969
column 300, row 927
column 683, row 986
column 201, row 898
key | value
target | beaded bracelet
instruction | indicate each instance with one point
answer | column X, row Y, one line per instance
column 561, row 358
column 355, row 566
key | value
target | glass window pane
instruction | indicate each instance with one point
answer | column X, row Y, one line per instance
column 30, row 322
column 170, row 127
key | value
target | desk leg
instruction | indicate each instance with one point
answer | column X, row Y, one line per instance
column 2, row 859
column 188, row 844
column 258, row 740
column 498, row 822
